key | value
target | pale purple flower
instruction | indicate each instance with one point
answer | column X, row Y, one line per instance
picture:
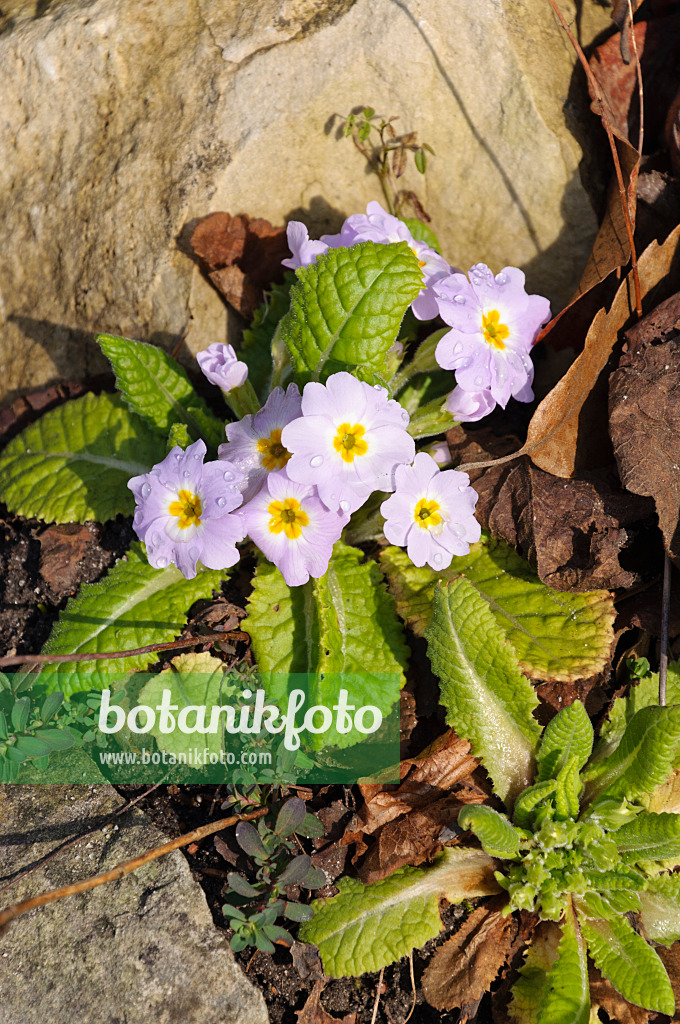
column 439, row 451
column 293, row 528
column 304, row 249
column 348, row 441
column 431, row 513
column 470, row 406
column 494, row 325
column 183, row 508
column 254, row 443
column 220, row 364
column 376, row 225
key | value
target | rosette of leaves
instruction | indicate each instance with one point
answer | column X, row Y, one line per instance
column 273, row 851
column 588, row 839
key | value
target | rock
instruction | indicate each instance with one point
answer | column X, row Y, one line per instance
column 126, row 120
column 143, row 948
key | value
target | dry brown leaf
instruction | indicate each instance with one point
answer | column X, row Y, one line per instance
column 463, row 969
column 405, row 821
column 644, row 404
column 61, row 549
column 241, row 256
column 567, row 433
column 604, row 996
column 314, row 1013
column 621, row 16
column 573, row 532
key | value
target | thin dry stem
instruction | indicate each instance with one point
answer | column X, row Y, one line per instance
column 57, row 659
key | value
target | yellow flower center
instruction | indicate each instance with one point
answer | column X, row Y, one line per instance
column 274, row 455
column 287, row 515
column 494, row 332
column 426, row 514
column 188, row 509
column 421, row 263
column 349, row 442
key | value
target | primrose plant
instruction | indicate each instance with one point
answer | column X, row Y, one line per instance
column 332, row 402
column 588, row 840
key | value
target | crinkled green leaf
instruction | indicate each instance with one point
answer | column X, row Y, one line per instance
column 178, row 435
column 568, row 787
column 557, row 636
column 74, row 463
column 132, row 606
column 256, row 350
column 486, row 697
column 642, row 695
column 529, row 800
column 494, row 831
column 649, row 837
column 157, row 388
column 642, row 760
column 569, row 734
column 365, row 927
column 631, row 965
column 568, row 998
column 346, row 308
column 660, row 913
column 193, row 679
column 532, row 987
column 342, row 626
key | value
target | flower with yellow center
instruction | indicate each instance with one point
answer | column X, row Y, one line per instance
column 426, row 514
column 274, row 455
column 187, row 509
column 349, row 442
column 495, row 333
column 287, row 516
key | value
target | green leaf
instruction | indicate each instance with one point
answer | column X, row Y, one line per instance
column 660, row 914
column 132, row 606
column 74, row 463
column 365, row 927
column 494, row 831
column 568, row 997
column 529, row 800
column 178, row 435
column 568, row 789
column 649, row 837
column 347, row 307
column 568, row 735
column 420, row 157
column 32, row 747
column 632, row 966
column 642, row 760
column 157, row 388
column 486, row 697
column 422, row 233
column 430, row 419
column 256, row 350
column 557, row 636
column 643, row 695
column 343, row 623
column 194, row 679
column 532, row 987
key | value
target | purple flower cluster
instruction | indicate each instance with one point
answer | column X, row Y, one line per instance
column 494, row 324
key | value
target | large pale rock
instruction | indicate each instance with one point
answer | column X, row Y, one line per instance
column 143, row 948
column 122, row 120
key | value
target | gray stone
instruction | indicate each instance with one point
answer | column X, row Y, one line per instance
column 123, row 120
column 143, row 948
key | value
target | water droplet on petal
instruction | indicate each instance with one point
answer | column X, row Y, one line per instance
column 458, row 347
column 161, row 562
column 194, row 553
column 344, row 506
column 221, row 502
column 146, row 490
column 156, row 539
column 437, row 558
column 457, row 530
column 404, row 416
column 178, row 456
column 460, row 299
column 196, row 456
column 378, row 387
column 463, row 487
column 186, row 474
column 316, row 461
column 478, row 381
column 501, row 279
column 228, row 475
